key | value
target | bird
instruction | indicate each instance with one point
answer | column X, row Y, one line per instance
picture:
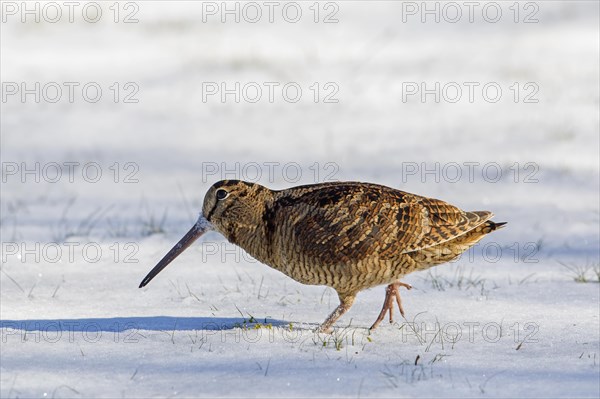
column 349, row 236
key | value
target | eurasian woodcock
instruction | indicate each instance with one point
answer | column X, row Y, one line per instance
column 346, row 235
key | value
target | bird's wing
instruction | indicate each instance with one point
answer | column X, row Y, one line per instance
column 435, row 222
column 349, row 221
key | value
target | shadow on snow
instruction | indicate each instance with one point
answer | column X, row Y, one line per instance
column 149, row 323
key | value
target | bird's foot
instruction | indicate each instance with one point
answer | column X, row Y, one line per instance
column 323, row 329
column 391, row 292
column 346, row 302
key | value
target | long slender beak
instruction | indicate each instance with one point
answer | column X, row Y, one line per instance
column 201, row 227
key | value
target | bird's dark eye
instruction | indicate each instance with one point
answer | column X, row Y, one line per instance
column 221, row 194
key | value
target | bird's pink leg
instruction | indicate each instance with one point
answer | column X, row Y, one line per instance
column 391, row 292
column 345, row 304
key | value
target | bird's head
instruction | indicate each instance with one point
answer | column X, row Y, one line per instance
column 229, row 206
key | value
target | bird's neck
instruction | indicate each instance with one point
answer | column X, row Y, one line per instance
column 250, row 233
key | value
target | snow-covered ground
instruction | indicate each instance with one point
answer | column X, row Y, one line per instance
column 94, row 193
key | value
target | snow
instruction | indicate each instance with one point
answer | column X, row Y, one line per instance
column 508, row 319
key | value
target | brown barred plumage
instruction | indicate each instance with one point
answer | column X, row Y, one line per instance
column 349, row 236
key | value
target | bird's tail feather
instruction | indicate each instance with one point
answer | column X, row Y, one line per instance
column 452, row 249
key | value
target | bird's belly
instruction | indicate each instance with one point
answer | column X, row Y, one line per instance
column 339, row 269
column 347, row 277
